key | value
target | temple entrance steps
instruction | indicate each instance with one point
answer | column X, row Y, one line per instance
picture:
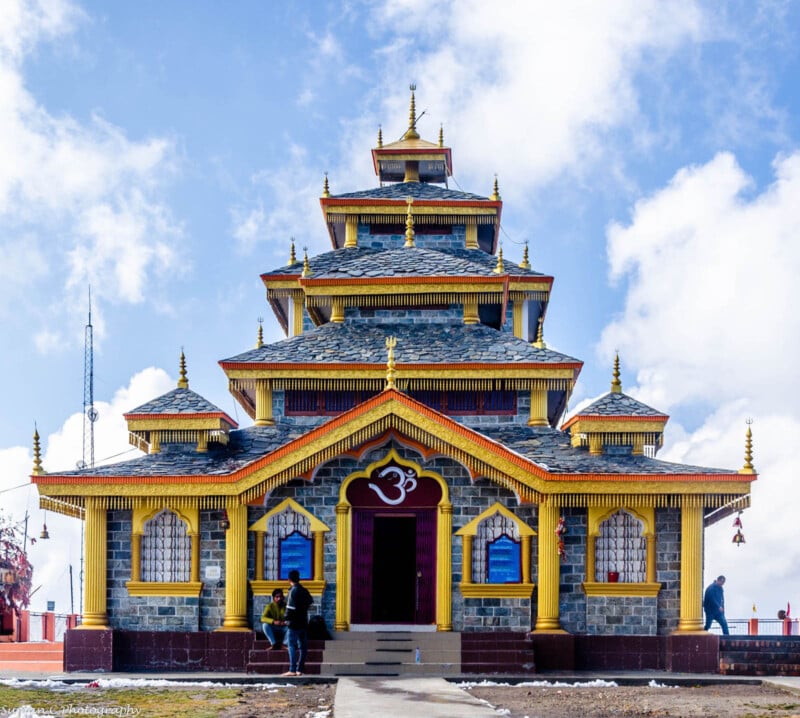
column 394, row 653
column 36, row 657
column 759, row 655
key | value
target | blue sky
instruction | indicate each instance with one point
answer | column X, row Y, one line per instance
column 166, row 152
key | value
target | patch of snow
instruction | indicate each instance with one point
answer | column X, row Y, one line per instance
column 541, row 684
column 654, row 684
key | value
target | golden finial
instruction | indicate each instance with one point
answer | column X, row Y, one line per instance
column 409, row 224
column 616, row 384
column 380, row 137
column 525, row 263
column 496, row 192
column 326, row 192
column 391, row 343
column 306, row 267
column 748, row 451
column 539, row 343
column 260, row 336
column 292, row 255
column 411, row 132
column 37, row 453
column 499, row 268
column 441, row 135
column 183, row 382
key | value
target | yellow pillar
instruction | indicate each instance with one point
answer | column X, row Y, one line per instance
column 94, row 608
column 466, row 559
column 651, row 558
column 259, row 538
column 444, row 565
column 194, row 571
column 472, row 236
column 471, row 312
column 691, row 618
column 638, row 445
column 263, row 403
column 591, row 570
column 202, row 441
column 319, row 555
column 595, row 444
column 155, row 442
column 547, row 620
column 538, row 408
column 297, row 315
column 351, row 231
column 516, row 319
column 526, row 559
column 337, row 310
column 136, row 557
column 343, row 559
column 236, row 570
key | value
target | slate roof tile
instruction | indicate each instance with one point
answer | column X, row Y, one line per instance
column 178, row 401
column 417, row 190
column 613, row 404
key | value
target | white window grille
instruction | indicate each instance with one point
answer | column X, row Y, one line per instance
column 650, row 451
column 490, row 529
column 279, row 527
column 166, row 549
column 622, row 548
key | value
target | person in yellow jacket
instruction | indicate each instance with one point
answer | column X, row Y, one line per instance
column 273, row 620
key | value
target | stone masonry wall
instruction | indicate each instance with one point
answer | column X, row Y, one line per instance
column 668, row 568
column 572, row 600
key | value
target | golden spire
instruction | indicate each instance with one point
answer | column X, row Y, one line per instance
column 260, row 336
column 380, row 137
column 292, row 255
column 525, row 263
column 441, row 135
column 37, row 453
column 326, row 192
column 496, row 191
column 409, row 224
column 411, row 132
column 539, row 343
column 748, row 451
column 616, row 384
column 183, row 382
column 499, row 268
column 391, row 343
column 306, row 267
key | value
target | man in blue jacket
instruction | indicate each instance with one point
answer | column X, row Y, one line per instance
column 297, row 605
column 714, row 605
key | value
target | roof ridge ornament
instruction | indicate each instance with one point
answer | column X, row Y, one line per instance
column 495, row 191
column 380, row 137
column 616, row 384
column 183, row 382
column 326, row 192
column 391, row 343
column 540, row 343
column 292, row 255
column 411, row 132
column 410, row 234
column 441, row 135
column 260, row 335
column 306, row 265
column 37, row 453
column 525, row 263
column 748, row 467
column 499, row 267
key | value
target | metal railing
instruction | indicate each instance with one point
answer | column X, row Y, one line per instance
column 759, row 627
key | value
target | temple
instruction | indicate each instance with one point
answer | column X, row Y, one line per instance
column 408, row 454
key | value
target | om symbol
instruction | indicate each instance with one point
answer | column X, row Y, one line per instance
column 403, row 484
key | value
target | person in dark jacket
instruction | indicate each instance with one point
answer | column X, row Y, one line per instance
column 297, row 604
column 714, row 605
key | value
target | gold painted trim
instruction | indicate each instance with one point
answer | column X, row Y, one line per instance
column 594, row 588
column 471, row 529
column 155, row 588
column 265, row 588
column 315, row 525
column 497, row 590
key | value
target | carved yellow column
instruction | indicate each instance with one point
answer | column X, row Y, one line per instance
column 297, row 315
column 136, row 557
column 94, row 609
column 202, row 442
column 444, row 565
column 651, row 558
column 155, row 442
column 194, row 571
column 351, row 231
column 259, row 539
column 590, row 558
column 516, row 318
column 472, row 236
column 466, row 559
column 263, row 403
column 319, row 555
column 471, row 312
column 343, row 559
column 595, row 444
column 526, row 559
column 337, row 310
column 538, row 408
column 547, row 620
column 638, row 445
column 691, row 618
column 236, row 570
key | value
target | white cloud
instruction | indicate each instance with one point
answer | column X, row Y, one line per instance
column 61, row 451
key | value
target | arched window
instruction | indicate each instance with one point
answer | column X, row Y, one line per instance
column 287, row 545
column 166, row 549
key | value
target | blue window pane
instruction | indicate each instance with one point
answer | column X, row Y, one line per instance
column 295, row 552
column 504, row 560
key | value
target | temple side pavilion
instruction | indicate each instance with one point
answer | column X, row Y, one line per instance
column 407, row 454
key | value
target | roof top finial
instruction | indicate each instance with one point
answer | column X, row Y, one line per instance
column 292, row 255
column 260, row 336
column 441, row 135
column 409, row 224
column 411, row 132
column 306, row 266
column 499, row 268
column 496, row 191
column 616, row 384
column 748, row 451
column 391, row 343
column 380, row 137
column 326, row 192
column 37, row 453
column 525, row 263
column 183, row 382
column 539, row 343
